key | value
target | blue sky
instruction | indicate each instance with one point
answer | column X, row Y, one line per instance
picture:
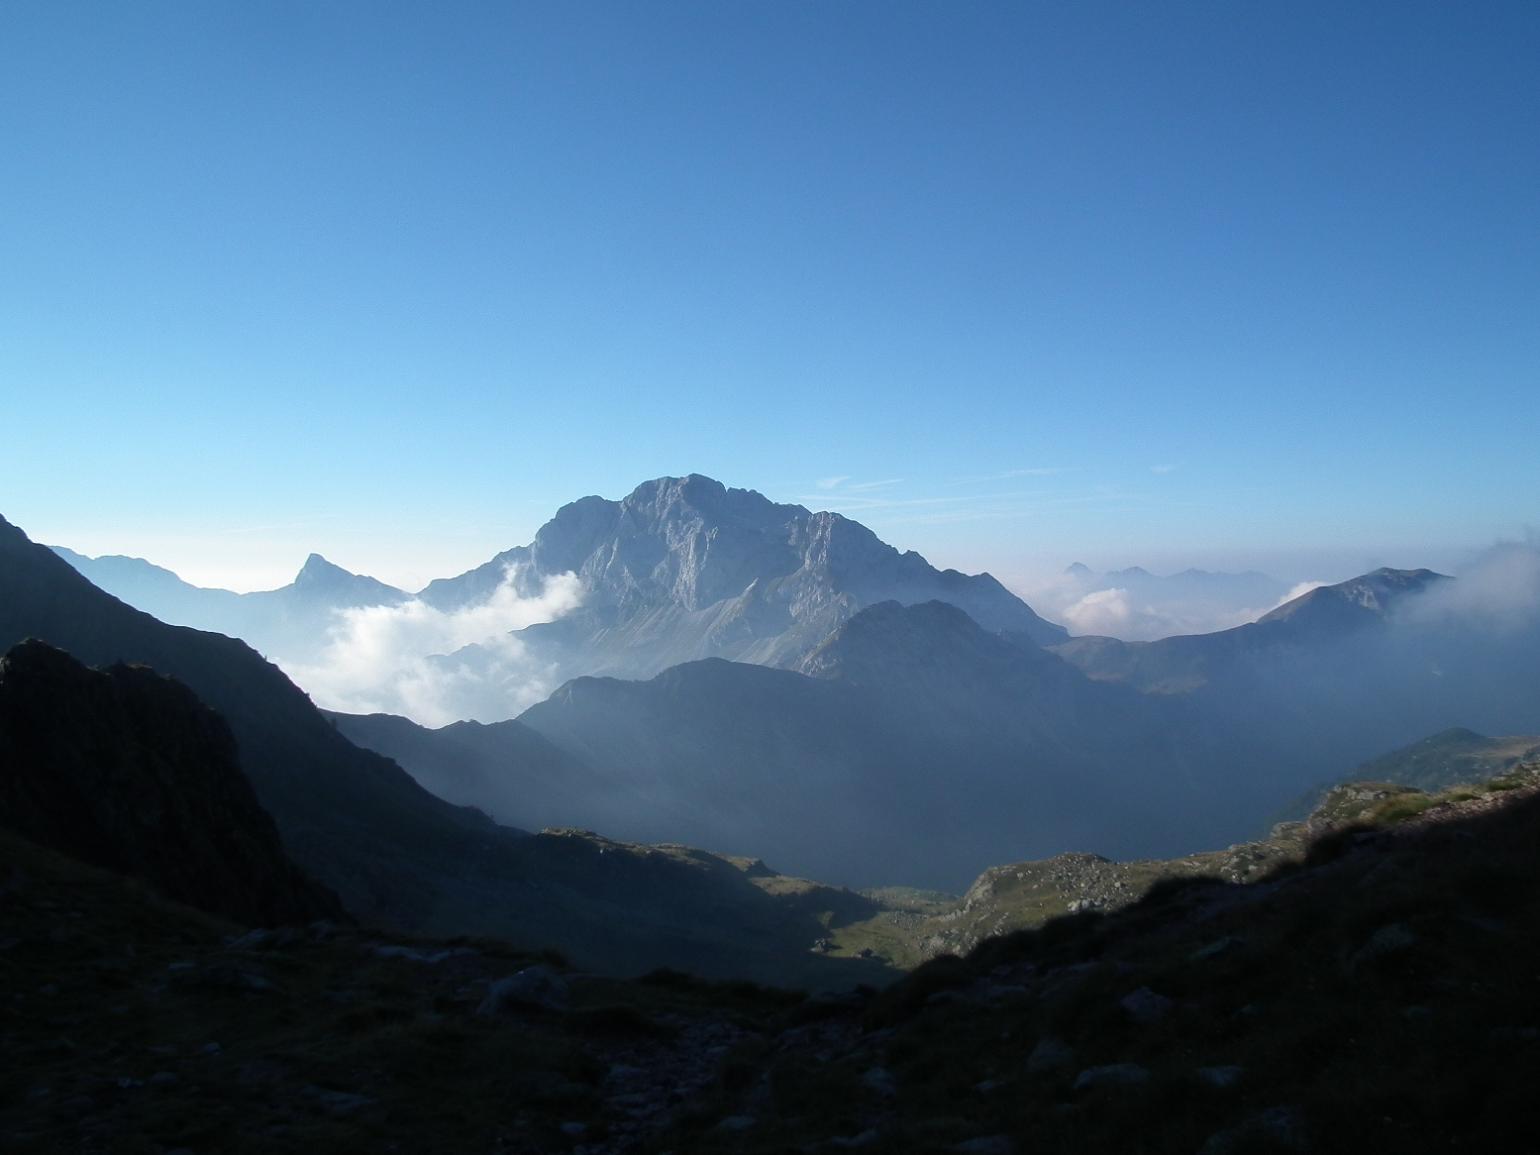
column 1014, row 284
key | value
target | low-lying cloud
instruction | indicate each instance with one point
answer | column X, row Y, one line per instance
column 433, row 666
column 1499, row 592
column 1165, row 607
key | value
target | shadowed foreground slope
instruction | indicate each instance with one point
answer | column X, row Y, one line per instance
column 1380, row 994
column 354, row 819
column 1377, row 995
column 129, row 771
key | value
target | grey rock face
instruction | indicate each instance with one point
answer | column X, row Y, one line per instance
column 684, row 568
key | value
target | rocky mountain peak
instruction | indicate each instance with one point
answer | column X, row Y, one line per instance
column 319, row 578
column 684, row 568
column 318, row 571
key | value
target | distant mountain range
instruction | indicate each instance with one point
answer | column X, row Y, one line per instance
column 911, row 746
column 1238, row 589
column 1391, row 931
column 755, row 678
column 683, row 568
column 291, row 622
column 1136, row 605
column 398, row 855
column 912, row 735
column 1322, row 617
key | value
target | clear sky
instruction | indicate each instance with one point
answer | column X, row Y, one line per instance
column 1012, row 283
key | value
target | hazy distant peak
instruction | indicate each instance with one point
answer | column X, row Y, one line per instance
column 1078, row 569
column 321, row 578
column 116, row 560
column 1371, row 593
column 889, row 636
column 317, row 569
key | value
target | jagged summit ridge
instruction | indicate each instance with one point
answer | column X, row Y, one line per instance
column 680, row 569
column 684, row 568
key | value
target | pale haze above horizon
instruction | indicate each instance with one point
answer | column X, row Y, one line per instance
column 1234, row 287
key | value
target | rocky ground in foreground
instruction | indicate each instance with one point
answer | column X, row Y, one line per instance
column 1375, row 986
column 132, row 1024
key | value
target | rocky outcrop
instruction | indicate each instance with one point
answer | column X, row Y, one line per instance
column 128, row 770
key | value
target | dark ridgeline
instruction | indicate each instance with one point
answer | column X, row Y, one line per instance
column 351, row 817
column 127, row 770
column 401, row 857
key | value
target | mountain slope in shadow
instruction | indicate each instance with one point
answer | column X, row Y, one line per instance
column 399, row 856
column 129, row 771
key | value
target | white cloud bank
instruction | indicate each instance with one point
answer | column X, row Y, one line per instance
column 1498, row 592
column 403, row 659
column 1117, row 612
